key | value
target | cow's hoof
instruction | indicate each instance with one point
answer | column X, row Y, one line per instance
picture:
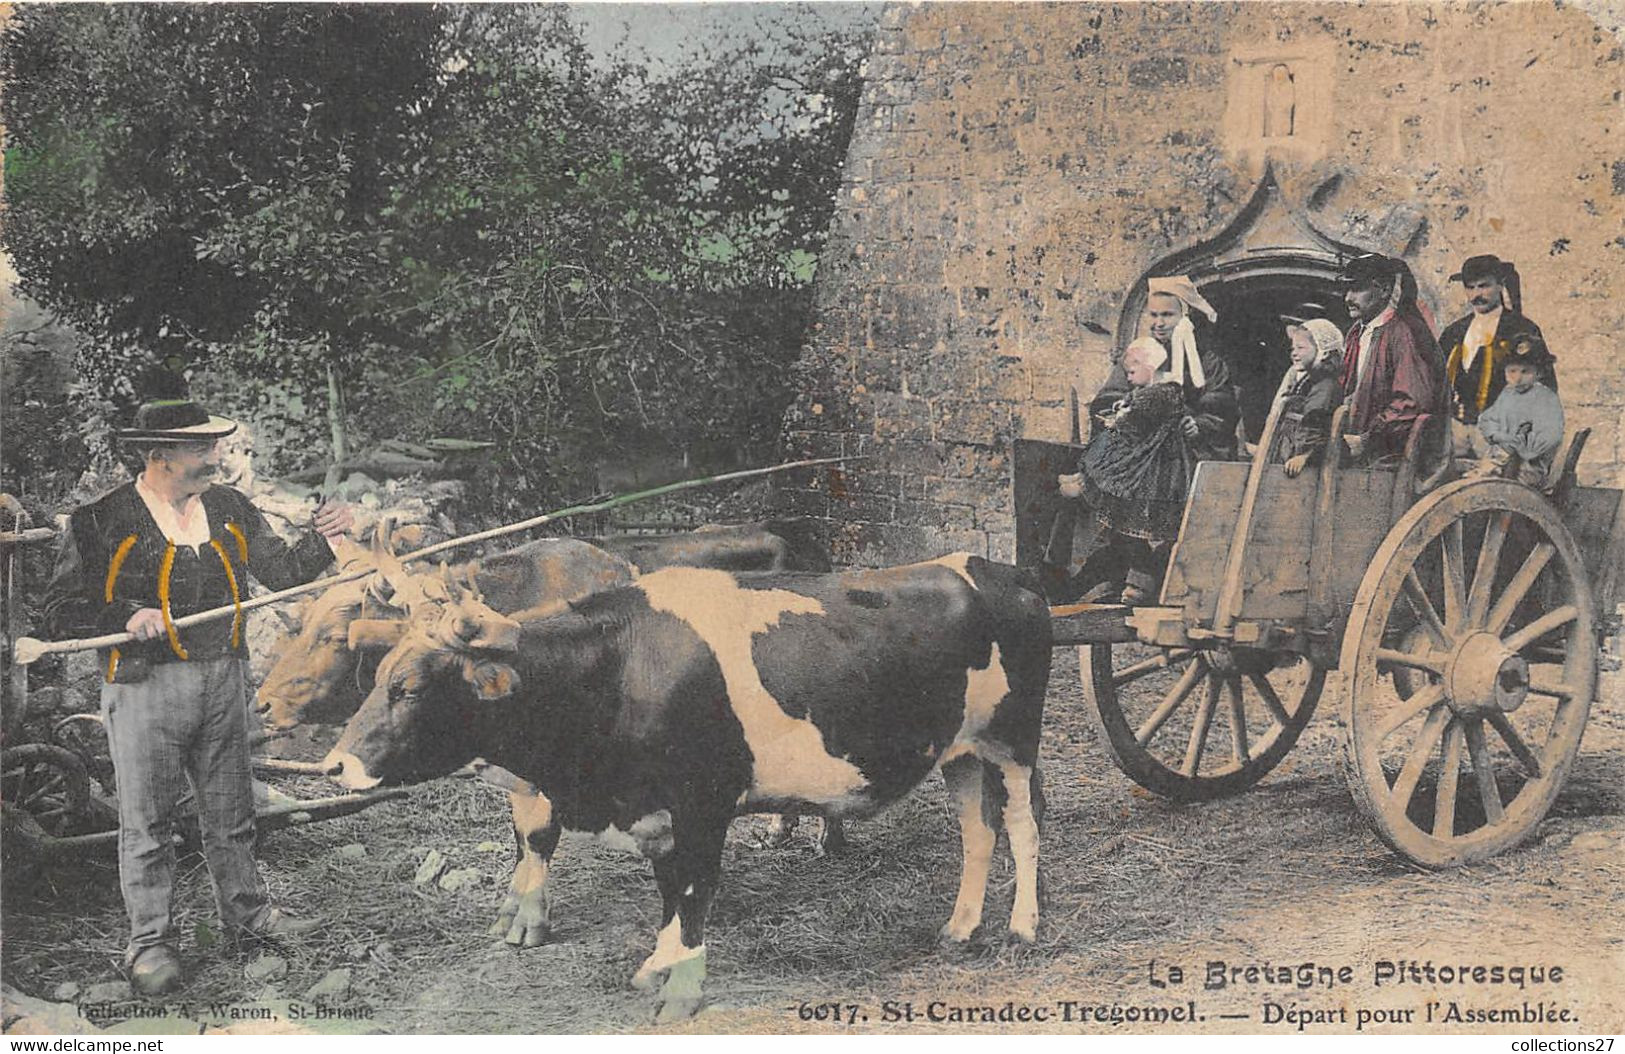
column 522, row 934
column 968, row 946
column 677, row 1008
column 646, row 980
column 833, row 840
column 1021, row 939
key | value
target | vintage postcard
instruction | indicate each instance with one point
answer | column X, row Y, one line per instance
column 1193, row 430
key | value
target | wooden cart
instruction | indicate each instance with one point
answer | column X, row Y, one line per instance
column 1460, row 619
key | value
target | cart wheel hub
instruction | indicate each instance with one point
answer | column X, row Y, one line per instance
column 1486, row 676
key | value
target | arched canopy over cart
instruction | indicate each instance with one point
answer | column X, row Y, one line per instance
column 1459, row 619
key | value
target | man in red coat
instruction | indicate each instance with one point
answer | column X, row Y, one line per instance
column 1392, row 370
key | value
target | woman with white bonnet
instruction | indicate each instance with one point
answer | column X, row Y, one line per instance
column 1201, row 372
column 1309, row 392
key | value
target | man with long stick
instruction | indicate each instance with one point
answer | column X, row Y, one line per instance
column 168, row 544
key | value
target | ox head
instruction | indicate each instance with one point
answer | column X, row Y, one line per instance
column 320, row 674
column 432, row 694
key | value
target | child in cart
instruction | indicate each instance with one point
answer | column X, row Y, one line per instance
column 1309, row 392
column 1517, row 435
column 1134, row 475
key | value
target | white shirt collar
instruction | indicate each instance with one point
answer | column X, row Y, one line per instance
column 1480, row 331
column 189, row 526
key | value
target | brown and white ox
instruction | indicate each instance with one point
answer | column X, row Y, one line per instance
column 324, row 672
column 658, row 710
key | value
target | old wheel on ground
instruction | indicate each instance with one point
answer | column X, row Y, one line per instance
column 1478, row 605
column 46, row 783
column 1197, row 725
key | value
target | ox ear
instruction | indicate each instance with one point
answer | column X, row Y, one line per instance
column 376, row 633
column 491, row 680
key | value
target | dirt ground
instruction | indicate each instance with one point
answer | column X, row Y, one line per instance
column 1136, row 888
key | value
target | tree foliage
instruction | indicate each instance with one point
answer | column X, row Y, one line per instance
column 484, row 229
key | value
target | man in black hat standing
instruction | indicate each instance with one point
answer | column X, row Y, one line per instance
column 168, row 544
column 1476, row 346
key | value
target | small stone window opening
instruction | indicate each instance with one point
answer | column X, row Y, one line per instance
column 1280, row 103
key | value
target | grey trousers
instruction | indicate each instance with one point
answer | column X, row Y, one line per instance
column 185, row 723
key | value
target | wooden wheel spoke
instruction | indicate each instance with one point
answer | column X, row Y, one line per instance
column 1489, row 558
column 1170, row 702
column 1204, row 720
column 1405, row 785
column 1546, row 686
column 1427, row 697
column 1444, row 798
column 1484, row 772
column 1266, row 692
column 1540, row 627
column 1161, row 661
column 1430, row 662
column 1238, row 722
column 1455, row 585
column 1518, row 586
column 1418, row 598
column 1520, row 750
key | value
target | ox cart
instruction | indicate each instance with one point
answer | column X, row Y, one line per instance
column 1460, row 620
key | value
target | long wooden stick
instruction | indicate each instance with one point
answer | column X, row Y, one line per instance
column 27, row 649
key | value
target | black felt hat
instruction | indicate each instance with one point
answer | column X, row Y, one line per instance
column 1531, row 350
column 1369, row 267
column 175, row 421
column 1476, row 267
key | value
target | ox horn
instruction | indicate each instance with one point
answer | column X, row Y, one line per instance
column 404, row 590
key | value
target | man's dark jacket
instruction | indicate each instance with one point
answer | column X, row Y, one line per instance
column 115, row 560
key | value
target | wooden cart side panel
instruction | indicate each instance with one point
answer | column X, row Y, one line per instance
column 1196, row 566
column 1275, row 577
column 1363, row 515
column 1276, row 572
column 1593, row 517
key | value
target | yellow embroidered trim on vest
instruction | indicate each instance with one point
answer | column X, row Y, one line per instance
column 163, row 598
column 117, row 562
column 236, row 597
column 113, row 567
column 1487, row 364
column 242, row 542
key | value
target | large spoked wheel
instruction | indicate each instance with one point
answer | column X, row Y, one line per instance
column 1197, row 725
column 46, row 783
column 1468, row 670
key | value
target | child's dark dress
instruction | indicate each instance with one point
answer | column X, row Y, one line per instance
column 1134, row 475
column 1306, row 412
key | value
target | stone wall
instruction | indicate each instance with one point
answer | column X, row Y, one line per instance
column 1018, row 169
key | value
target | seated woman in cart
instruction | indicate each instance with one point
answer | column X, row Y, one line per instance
column 1134, row 474
column 1203, row 375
